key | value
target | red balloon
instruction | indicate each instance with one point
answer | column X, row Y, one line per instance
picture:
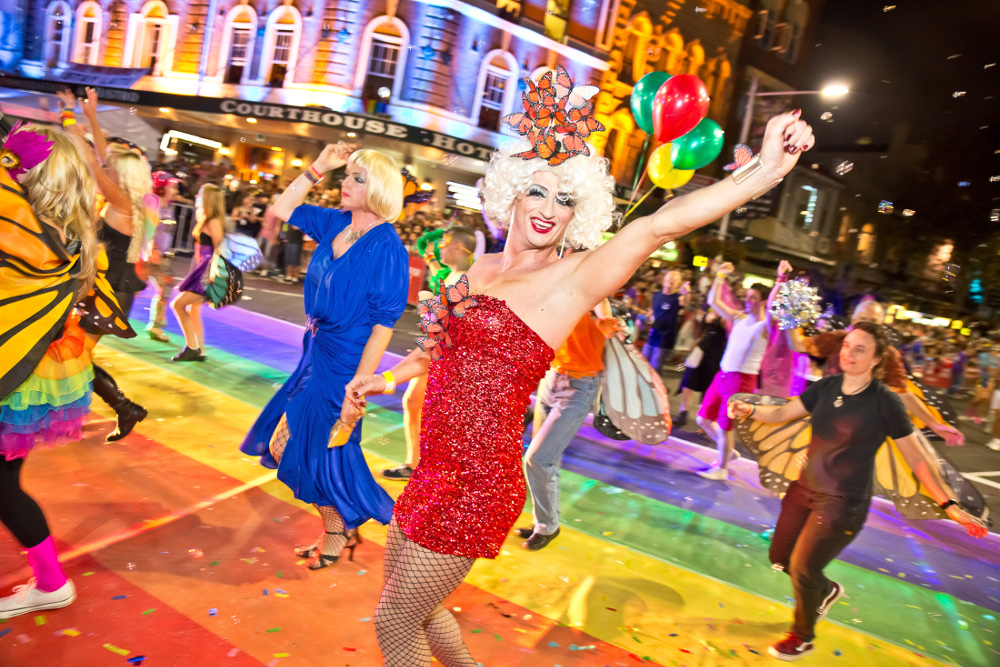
column 679, row 105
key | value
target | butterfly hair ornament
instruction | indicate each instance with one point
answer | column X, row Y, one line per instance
column 22, row 150
column 436, row 312
column 557, row 118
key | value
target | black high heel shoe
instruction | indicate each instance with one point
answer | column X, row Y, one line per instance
column 323, row 560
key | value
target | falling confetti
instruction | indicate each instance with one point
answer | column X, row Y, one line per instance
column 908, row 212
column 885, row 207
column 844, row 167
column 888, row 8
column 826, row 115
column 958, row 93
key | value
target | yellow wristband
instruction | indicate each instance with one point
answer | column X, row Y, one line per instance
column 390, row 382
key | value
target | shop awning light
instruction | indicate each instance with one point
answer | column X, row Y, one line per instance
column 189, row 138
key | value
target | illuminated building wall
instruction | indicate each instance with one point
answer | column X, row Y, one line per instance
column 461, row 61
column 700, row 38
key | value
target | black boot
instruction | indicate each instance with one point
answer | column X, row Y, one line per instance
column 129, row 413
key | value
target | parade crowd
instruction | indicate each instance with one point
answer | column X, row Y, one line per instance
column 97, row 222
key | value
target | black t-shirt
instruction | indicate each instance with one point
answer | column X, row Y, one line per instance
column 845, row 439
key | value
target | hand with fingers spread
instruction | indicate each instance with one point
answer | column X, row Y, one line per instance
column 68, row 99
column 89, row 104
column 785, row 138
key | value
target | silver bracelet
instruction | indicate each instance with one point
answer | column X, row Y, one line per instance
column 748, row 170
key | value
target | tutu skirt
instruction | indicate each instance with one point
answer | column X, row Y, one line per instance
column 193, row 281
column 49, row 407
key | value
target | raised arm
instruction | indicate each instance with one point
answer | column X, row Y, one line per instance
column 784, row 268
column 922, row 459
column 89, row 106
column 332, row 157
column 715, row 294
column 770, row 414
column 605, row 269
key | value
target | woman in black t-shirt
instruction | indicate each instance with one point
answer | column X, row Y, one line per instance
column 823, row 511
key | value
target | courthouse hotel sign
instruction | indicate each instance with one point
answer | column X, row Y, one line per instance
column 321, row 116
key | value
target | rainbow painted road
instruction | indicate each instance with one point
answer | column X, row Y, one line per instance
column 181, row 549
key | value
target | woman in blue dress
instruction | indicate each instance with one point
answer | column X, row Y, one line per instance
column 355, row 290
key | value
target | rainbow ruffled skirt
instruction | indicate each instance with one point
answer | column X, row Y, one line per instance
column 49, row 408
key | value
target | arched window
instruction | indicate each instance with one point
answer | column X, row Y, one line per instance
column 58, row 23
column 621, row 127
column 497, row 87
column 797, row 15
column 672, row 52
column 634, row 56
column 866, row 243
column 89, row 21
column 281, row 46
column 694, row 57
column 383, row 59
column 236, row 51
column 150, row 38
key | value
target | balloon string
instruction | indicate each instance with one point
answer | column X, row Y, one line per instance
column 635, row 191
column 639, row 202
column 642, row 163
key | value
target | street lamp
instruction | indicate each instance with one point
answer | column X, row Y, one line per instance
column 836, row 90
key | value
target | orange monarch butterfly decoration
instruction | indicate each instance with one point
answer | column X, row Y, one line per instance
column 556, row 119
column 741, row 156
column 436, row 312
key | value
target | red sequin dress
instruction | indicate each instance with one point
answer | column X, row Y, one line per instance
column 468, row 489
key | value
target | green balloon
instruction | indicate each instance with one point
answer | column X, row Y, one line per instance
column 641, row 102
column 698, row 147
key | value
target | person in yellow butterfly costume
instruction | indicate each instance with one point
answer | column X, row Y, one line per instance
column 49, row 262
column 825, row 505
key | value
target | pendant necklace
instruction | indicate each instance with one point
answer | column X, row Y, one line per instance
column 350, row 236
column 840, row 399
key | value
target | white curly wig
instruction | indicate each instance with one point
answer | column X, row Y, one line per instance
column 584, row 178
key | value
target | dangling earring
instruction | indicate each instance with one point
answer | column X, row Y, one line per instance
column 562, row 246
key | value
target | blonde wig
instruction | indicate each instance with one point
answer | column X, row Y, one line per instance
column 136, row 181
column 213, row 205
column 584, row 178
column 61, row 191
column 384, row 194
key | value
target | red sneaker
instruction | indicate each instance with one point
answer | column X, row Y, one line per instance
column 790, row 648
column 835, row 594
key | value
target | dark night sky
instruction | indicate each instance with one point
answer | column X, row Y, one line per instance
column 904, row 66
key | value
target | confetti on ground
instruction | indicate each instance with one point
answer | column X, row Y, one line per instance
column 24, row 639
column 213, row 612
column 264, row 592
column 87, row 574
column 275, row 630
column 115, row 649
column 233, row 653
column 476, row 631
column 279, row 575
column 69, row 632
column 365, row 619
column 214, row 562
column 119, row 597
column 137, row 660
column 360, row 572
column 149, row 611
column 281, row 655
column 39, row 620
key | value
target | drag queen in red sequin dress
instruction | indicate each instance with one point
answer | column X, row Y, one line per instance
column 491, row 339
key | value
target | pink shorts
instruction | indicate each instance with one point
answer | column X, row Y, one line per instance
column 713, row 405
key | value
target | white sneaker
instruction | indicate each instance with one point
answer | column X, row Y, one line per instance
column 716, row 473
column 27, row 599
column 994, row 444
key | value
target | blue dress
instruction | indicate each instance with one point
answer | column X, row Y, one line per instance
column 344, row 298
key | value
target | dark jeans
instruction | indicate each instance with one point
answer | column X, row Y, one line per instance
column 812, row 530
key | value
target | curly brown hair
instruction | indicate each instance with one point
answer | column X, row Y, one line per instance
column 876, row 331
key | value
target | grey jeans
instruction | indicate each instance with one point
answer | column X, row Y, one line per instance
column 561, row 407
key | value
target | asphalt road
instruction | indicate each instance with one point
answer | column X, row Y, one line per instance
column 979, row 464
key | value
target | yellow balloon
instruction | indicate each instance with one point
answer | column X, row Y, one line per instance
column 661, row 170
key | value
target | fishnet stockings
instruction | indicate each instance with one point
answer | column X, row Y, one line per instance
column 410, row 623
column 279, row 439
column 332, row 523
